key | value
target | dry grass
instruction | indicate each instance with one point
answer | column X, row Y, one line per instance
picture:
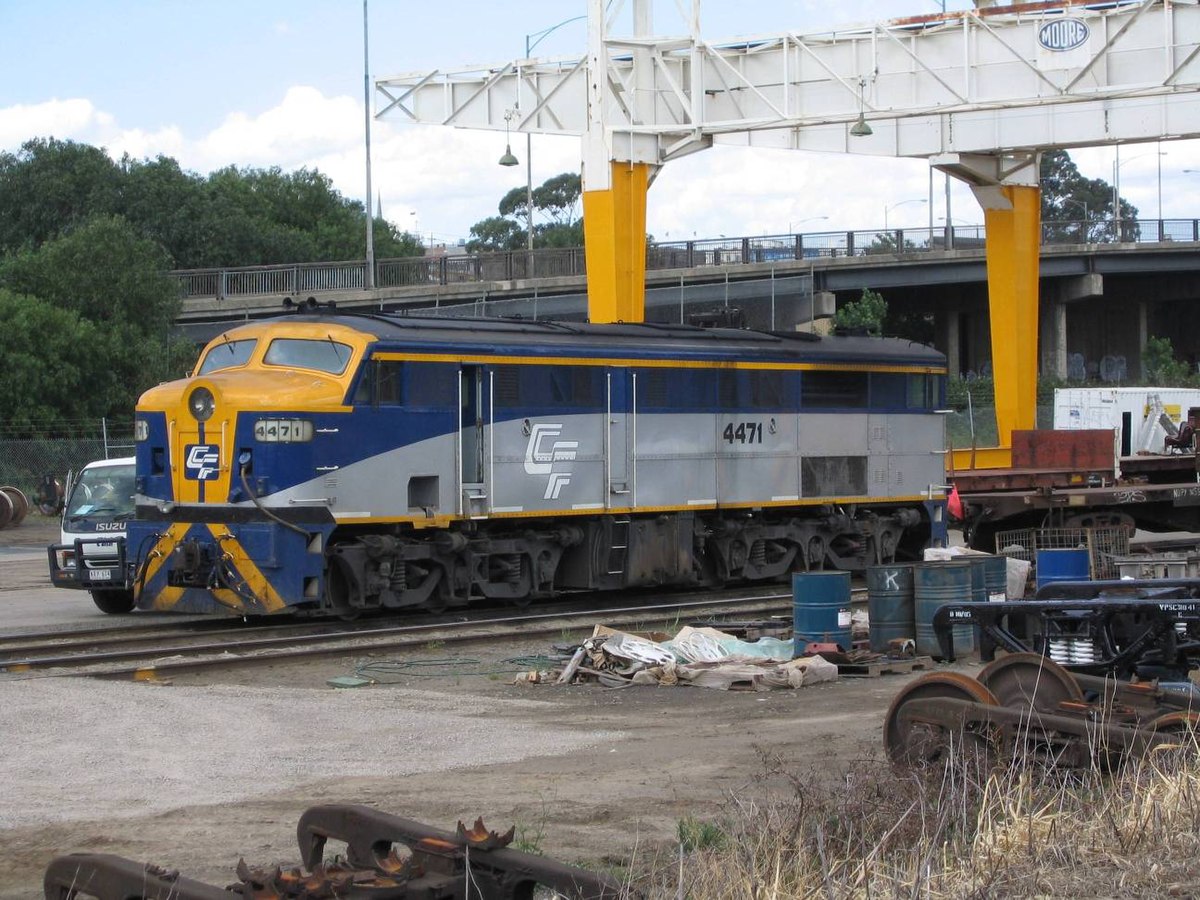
column 958, row 831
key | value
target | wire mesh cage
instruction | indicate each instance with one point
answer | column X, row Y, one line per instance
column 1104, row 546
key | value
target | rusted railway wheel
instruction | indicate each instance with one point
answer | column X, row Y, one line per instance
column 1180, row 730
column 20, row 504
column 1030, row 681
column 913, row 739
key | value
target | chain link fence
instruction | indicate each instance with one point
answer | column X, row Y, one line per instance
column 26, row 461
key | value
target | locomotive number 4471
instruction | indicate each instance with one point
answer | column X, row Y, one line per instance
column 743, row 433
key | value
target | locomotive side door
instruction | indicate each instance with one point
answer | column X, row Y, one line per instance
column 620, row 435
column 473, row 395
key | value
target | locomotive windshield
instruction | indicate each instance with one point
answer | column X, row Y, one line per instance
column 226, row 355
column 324, row 355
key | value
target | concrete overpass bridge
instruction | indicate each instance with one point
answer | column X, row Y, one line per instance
column 1100, row 297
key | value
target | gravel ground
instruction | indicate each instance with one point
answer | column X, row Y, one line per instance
column 130, row 750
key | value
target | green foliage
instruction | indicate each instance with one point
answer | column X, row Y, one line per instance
column 496, row 233
column 886, row 242
column 695, row 834
column 234, row 217
column 1068, row 199
column 556, row 199
column 48, row 186
column 48, row 374
column 1161, row 366
column 120, row 304
column 866, row 312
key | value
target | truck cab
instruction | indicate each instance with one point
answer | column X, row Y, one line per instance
column 90, row 554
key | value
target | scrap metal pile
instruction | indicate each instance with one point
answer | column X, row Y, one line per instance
column 387, row 858
column 702, row 657
column 1026, row 705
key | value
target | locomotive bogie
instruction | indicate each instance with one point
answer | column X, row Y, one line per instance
column 399, row 464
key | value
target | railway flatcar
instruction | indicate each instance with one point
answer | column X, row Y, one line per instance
column 331, row 463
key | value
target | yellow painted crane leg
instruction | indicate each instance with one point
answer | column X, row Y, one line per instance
column 614, row 239
column 1013, row 236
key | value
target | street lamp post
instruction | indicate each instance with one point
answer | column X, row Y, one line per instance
column 802, row 221
column 531, row 41
column 1117, row 163
column 1086, row 220
column 370, row 279
column 887, row 209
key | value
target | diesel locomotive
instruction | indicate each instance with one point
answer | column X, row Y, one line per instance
column 331, row 463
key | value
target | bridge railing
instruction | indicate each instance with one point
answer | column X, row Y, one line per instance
column 515, row 265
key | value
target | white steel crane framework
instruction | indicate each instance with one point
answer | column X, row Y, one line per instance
column 978, row 93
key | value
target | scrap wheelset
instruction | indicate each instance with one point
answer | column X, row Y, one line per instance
column 1026, row 704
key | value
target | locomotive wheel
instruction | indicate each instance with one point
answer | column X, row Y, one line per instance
column 115, row 603
column 1030, row 682
column 909, row 741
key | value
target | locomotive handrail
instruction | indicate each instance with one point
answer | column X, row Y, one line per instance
column 555, row 262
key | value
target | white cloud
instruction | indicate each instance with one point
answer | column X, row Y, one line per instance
column 450, row 178
column 64, row 119
column 304, row 124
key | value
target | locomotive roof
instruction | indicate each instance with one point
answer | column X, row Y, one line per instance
column 649, row 339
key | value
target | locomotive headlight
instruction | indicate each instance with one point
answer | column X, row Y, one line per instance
column 201, row 404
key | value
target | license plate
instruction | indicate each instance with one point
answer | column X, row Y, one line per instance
column 101, row 574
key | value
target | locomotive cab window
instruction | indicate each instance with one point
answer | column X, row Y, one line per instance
column 301, row 353
column 387, row 382
column 227, row 355
column 379, row 384
column 896, row 391
column 922, row 392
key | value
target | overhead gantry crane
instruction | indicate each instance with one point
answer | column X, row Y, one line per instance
column 978, row 93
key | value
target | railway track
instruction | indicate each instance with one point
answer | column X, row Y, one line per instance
column 153, row 653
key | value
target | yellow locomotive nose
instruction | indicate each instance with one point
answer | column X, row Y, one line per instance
column 201, row 451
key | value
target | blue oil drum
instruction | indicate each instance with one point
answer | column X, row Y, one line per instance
column 995, row 576
column 1061, row 565
column 890, row 604
column 978, row 579
column 936, row 583
column 821, row 609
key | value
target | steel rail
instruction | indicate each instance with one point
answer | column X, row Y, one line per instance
column 257, row 650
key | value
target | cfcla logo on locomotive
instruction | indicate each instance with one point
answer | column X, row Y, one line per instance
column 200, row 463
column 540, row 461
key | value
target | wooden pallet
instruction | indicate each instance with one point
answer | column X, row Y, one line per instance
column 885, row 667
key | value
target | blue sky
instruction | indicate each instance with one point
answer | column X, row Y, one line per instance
column 271, row 83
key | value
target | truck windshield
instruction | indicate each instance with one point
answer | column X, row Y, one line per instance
column 104, row 492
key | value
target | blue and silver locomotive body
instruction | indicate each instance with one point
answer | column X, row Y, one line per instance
column 335, row 463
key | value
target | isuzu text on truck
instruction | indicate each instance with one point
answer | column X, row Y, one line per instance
column 90, row 554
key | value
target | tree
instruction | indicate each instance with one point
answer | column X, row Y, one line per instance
column 496, row 233
column 556, row 199
column 106, row 275
column 1075, row 207
column 1160, row 364
column 48, row 373
column 169, row 206
column 49, row 185
column 867, row 312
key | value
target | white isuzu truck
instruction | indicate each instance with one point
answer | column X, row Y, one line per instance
column 90, row 554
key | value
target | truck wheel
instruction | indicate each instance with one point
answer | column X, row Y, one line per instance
column 113, row 602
